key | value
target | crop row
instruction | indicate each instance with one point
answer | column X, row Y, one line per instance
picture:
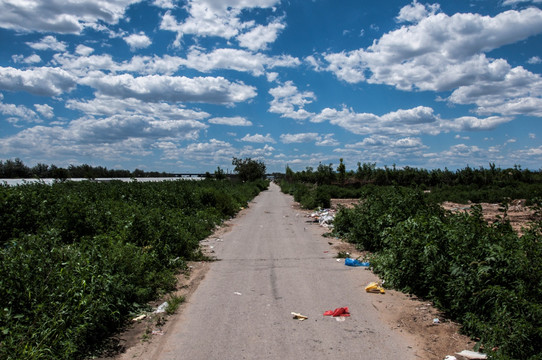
column 77, row 258
column 485, row 276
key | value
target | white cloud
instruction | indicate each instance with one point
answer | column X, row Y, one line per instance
column 446, row 53
column 258, row 138
column 289, row 102
column 83, row 50
column 260, row 36
column 415, row 121
column 272, row 76
column 238, row 60
column 164, row 4
column 60, row 16
column 231, row 121
column 16, row 113
column 535, row 60
column 387, row 142
column 153, row 88
column 299, row 138
column 138, row 41
column 515, row 2
column 532, row 136
column 44, row 81
column 48, row 43
column 31, row 59
column 438, row 53
column 327, row 140
column 416, row 12
column 212, row 18
column 45, row 110
column 108, row 106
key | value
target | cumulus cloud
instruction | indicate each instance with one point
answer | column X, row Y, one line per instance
column 215, row 18
column 447, row 53
column 299, row 138
column 83, row 50
column 17, row 113
column 60, row 16
column 289, row 102
column 406, row 122
column 230, row 121
column 138, row 41
column 238, row 60
column 534, row 60
column 416, row 12
column 258, row 138
column 32, row 59
column 45, row 81
column 389, row 142
column 45, row 110
column 439, row 52
column 153, row 88
column 260, row 36
column 48, row 43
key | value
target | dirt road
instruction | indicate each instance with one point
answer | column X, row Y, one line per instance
column 273, row 263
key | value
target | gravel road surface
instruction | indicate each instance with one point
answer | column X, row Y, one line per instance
column 272, row 263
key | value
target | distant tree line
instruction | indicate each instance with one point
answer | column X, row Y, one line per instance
column 11, row 169
column 368, row 173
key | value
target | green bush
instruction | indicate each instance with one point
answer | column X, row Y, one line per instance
column 484, row 276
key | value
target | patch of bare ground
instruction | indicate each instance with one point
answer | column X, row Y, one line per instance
column 518, row 213
column 414, row 317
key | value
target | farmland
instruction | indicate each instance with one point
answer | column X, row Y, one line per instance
column 76, row 259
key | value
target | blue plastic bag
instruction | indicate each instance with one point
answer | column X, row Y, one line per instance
column 354, row 262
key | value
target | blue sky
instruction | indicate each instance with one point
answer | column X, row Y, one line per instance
column 187, row 85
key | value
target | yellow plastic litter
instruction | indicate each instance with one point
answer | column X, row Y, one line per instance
column 375, row 288
column 300, row 317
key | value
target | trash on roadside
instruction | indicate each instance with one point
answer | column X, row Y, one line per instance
column 375, row 288
column 436, row 321
column 157, row 332
column 355, row 262
column 342, row 311
column 162, row 308
column 324, row 217
column 299, row 317
column 139, row 318
column 450, row 357
column 237, row 293
column 338, row 260
column 472, row 354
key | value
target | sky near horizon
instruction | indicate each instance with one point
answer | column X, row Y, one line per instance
column 184, row 86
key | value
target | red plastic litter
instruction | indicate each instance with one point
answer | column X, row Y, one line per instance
column 342, row 311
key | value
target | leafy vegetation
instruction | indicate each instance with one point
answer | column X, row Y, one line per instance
column 485, row 276
column 77, row 258
column 11, row 169
column 249, row 169
column 462, row 186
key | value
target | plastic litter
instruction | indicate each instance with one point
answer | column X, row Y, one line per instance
column 342, row 311
column 139, row 318
column 162, row 308
column 436, row 321
column 324, row 217
column 375, row 288
column 355, row 262
column 299, row 317
column 237, row 293
column 472, row 354
column 450, row 357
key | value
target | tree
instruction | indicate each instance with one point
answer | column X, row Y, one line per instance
column 341, row 169
column 248, row 169
column 219, row 174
